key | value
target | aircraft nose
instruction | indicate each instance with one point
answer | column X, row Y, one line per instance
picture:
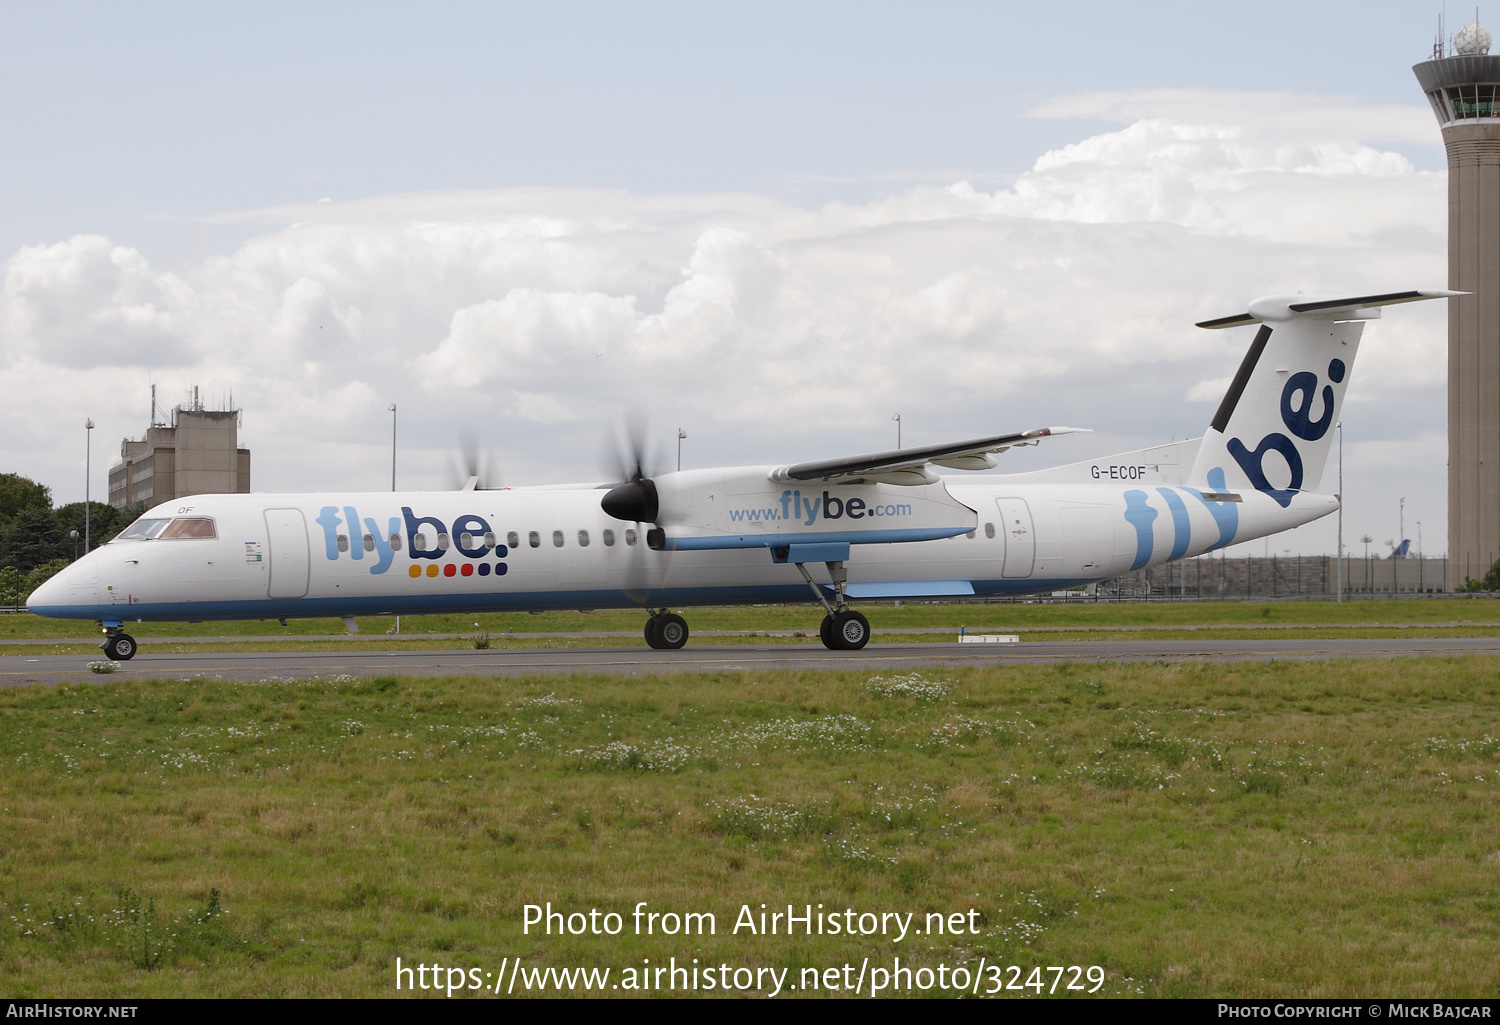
column 51, row 595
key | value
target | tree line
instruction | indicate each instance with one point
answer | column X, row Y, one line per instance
column 37, row 540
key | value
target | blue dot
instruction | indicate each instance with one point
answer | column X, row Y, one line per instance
column 484, row 569
column 1336, row 370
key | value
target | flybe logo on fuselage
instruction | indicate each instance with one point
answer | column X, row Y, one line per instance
column 807, row 511
column 426, row 537
column 1296, row 413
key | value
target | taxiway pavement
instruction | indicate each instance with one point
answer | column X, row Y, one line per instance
column 20, row 670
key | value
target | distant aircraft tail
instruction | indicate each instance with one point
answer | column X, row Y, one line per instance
column 1274, row 428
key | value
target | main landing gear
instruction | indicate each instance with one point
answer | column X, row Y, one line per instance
column 118, row 645
column 842, row 629
column 666, row 630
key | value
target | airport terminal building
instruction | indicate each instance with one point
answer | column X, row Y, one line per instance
column 198, row 453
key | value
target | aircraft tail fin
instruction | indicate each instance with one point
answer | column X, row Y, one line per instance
column 1273, row 430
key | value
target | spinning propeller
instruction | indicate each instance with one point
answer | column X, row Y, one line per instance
column 472, row 470
column 636, row 498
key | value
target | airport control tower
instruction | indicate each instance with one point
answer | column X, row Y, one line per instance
column 1462, row 83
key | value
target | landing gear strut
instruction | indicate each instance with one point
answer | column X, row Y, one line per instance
column 666, row 630
column 842, row 629
column 118, row 645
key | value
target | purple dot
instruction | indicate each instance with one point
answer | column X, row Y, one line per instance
column 484, row 569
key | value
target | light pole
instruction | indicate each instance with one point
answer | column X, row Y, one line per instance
column 88, row 446
column 680, row 435
column 1369, row 574
column 1420, row 567
column 1401, row 538
column 392, row 408
column 1339, row 568
column 897, row 418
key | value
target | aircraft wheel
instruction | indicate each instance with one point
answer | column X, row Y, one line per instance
column 671, row 631
column 652, row 638
column 120, row 647
column 825, row 631
column 850, row 630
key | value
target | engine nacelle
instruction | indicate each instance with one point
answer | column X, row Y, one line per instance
column 743, row 507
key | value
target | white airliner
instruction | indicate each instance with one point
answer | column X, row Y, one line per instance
column 879, row 526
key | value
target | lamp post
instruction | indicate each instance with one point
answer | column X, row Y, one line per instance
column 1339, row 566
column 88, row 446
column 680, row 435
column 1369, row 574
column 897, row 418
column 1402, row 536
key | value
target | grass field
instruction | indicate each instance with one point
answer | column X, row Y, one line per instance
column 1254, row 829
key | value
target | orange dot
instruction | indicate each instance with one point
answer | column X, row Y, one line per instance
column 468, row 570
column 415, row 571
column 449, row 570
column 432, row 571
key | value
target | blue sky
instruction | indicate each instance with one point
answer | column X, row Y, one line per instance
column 773, row 225
column 121, row 115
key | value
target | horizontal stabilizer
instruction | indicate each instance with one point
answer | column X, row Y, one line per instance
column 895, row 466
column 1276, row 308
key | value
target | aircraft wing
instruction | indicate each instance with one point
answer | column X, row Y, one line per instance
column 909, row 465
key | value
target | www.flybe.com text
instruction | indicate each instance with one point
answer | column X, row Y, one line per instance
column 807, row 511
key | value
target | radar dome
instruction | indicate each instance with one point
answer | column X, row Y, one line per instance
column 1472, row 39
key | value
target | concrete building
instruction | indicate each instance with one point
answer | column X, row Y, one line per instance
column 1461, row 83
column 198, row 454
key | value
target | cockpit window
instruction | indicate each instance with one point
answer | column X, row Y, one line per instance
column 142, row 530
column 189, row 526
column 164, row 529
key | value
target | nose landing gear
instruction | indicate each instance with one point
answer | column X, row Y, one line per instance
column 118, row 646
column 666, row 630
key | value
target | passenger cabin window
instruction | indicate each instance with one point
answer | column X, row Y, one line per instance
column 143, row 530
column 630, row 535
column 609, row 538
column 369, row 542
column 466, row 540
column 557, row 539
column 442, row 542
column 989, row 530
column 395, row 542
column 489, row 539
column 514, row 540
column 583, row 539
column 534, row 539
column 343, row 542
column 189, row 526
column 419, row 542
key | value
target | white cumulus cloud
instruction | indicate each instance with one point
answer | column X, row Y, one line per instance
column 769, row 331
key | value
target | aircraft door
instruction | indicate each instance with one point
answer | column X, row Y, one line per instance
column 1020, row 538
column 290, row 564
